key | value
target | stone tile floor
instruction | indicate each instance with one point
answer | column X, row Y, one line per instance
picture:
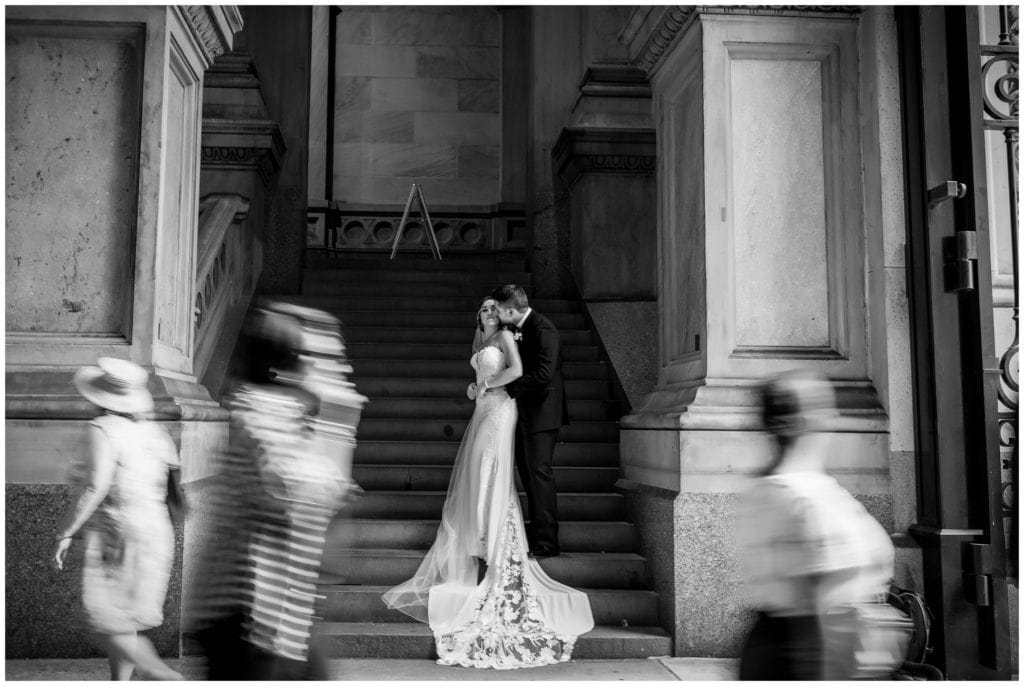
column 651, row 669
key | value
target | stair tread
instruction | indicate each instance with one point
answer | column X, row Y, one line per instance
column 421, row 629
column 447, row 467
column 381, row 588
column 376, row 521
column 443, row 492
column 402, row 552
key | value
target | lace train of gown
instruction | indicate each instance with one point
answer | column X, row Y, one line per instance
column 517, row 616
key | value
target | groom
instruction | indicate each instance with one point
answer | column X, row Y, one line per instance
column 540, row 396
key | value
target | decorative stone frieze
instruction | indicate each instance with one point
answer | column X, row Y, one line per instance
column 651, row 31
column 238, row 132
column 624, row 151
column 214, row 26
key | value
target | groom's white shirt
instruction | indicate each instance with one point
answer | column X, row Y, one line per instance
column 523, row 320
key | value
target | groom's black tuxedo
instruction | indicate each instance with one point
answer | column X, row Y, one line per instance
column 540, row 391
column 540, row 397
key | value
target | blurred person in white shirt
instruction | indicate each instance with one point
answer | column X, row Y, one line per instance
column 805, row 544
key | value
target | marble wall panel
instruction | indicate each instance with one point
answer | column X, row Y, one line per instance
column 457, row 127
column 395, row 190
column 352, row 187
column 467, row 26
column 458, row 63
column 779, row 201
column 355, row 26
column 351, row 159
column 373, row 127
column 72, row 131
column 419, row 88
column 414, row 95
column 424, row 161
column 479, row 95
column 479, row 161
column 375, row 60
column 352, row 93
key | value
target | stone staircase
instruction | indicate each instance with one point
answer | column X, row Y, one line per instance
column 408, row 326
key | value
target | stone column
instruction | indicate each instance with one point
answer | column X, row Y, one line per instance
column 606, row 158
column 103, row 136
column 761, row 250
column 242, row 150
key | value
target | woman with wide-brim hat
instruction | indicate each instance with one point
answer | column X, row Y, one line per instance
column 122, row 514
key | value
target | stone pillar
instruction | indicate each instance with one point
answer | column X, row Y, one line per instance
column 761, row 250
column 278, row 39
column 103, row 138
column 242, row 150
column 555, row 71
column 606, row 158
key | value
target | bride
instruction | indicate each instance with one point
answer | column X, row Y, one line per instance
column 516, row 616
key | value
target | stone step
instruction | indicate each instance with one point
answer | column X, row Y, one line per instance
column 466, row 305
column 459, row 369
column 462, row 408
column 443, row 453
column 411, row 477
column 589, row 507
column 381, row 350
column 456, row 335
column 475, row 290
column 426, row 318
column 451, row 429
column 387, row 567
column 419, row 534
column 611, row 607
column 408, row 260
column 450, row 387
column 413, row 640
column 445, row 274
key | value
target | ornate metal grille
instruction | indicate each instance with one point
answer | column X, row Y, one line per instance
column 1001, row 82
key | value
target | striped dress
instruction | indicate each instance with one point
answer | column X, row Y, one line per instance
column 275, row 497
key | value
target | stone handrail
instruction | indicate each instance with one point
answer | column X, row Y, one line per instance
column 220, row 267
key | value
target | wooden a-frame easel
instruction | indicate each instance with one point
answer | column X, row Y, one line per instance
column 417, row 194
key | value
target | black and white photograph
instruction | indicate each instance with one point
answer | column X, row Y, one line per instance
column 521, row 342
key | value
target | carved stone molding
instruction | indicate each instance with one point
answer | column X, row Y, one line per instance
column 214, row 27
column 651, row 31
column 582, row 150
column 263, row 159
column 671, row 23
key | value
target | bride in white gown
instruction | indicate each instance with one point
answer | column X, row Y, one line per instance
column 517, row 616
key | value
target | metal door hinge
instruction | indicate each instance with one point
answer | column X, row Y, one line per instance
column 961, row 261
column 946, row 190
column 977, row 574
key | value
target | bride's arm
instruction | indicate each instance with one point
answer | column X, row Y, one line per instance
column 515, row 364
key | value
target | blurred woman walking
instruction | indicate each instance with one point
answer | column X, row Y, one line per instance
column 121, row 510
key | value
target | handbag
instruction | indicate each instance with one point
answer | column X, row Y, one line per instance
column 865, row 640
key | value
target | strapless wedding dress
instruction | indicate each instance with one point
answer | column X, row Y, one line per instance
column 517, row 616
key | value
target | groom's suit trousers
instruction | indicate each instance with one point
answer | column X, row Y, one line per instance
column 534, row 455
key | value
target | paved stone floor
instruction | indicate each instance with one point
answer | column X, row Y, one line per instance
column 653, row 669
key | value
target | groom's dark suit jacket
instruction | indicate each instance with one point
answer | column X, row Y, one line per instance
column 540, row 391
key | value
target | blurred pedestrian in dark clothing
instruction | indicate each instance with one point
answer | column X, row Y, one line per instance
column 121, row 508
column 254, row 609
column 806, row 545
